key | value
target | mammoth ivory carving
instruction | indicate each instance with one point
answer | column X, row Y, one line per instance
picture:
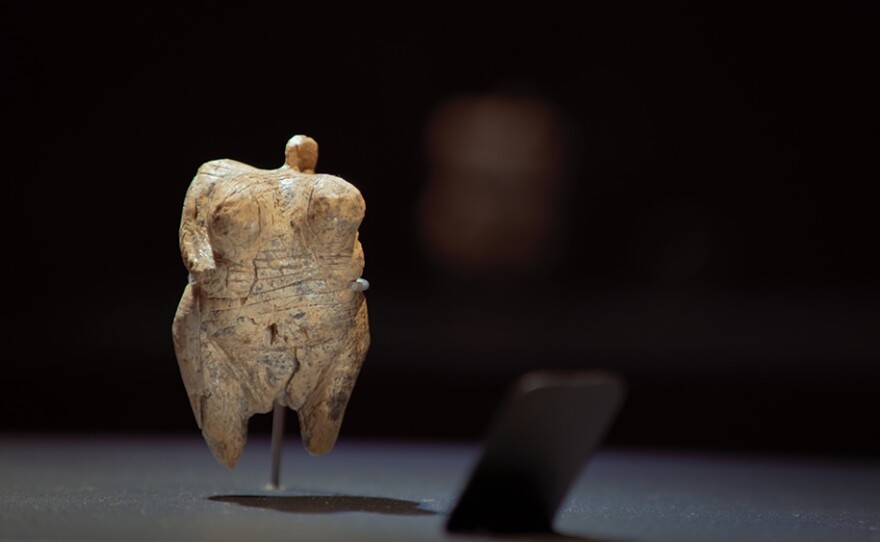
column 274, row 309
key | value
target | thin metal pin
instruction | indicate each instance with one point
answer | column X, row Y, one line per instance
column 278, row 413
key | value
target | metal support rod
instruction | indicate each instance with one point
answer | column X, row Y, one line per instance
column 277, row 440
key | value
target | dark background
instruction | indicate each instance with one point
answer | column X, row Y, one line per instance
column 761, row 124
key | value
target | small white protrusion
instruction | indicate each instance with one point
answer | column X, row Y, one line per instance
column 360, row 285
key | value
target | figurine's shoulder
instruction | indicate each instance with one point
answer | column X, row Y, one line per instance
column 334, row 195
column 220, row 177
column 325, row 185
column 224, row 167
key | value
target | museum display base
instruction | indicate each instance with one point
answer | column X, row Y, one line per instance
column 171, row 488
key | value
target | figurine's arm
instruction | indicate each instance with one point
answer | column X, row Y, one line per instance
column 195, row 246
column 335, row 211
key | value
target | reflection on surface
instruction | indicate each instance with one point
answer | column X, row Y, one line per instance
column 327, row 504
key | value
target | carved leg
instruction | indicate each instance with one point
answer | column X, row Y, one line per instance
column 223, row 406
column 321, row 415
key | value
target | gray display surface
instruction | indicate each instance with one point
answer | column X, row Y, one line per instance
column 172, row 489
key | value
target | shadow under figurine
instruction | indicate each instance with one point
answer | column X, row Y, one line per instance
column 274, row 309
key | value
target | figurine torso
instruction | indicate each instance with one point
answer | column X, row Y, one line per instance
column 279, row 251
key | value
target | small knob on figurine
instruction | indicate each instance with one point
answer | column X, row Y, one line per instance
column 301, row 154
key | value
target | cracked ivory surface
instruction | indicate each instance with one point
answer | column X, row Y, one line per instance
column 270, row 312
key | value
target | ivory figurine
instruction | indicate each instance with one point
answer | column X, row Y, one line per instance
column 274, row 309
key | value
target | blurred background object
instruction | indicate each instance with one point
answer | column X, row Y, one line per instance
column 683, row 195
column 492, row 206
